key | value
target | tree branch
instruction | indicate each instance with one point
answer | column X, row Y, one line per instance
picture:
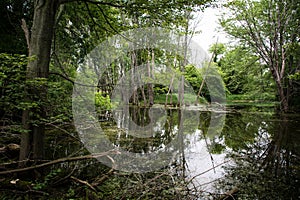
column 93, row 2
column 62, row 76
column 26, row 31
column 84, row 182
column 61, row 160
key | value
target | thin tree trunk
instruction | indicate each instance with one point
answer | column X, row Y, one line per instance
column 142, row 88
column 134, row 97
column 170, row 92
column 150, row 85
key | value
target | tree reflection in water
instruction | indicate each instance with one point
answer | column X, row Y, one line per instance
column 263, row 149
column 268, row 167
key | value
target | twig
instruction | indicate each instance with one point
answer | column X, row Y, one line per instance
column 213, row 168
column 83, row 182
column 206, row 183
column 211, row 158
column 63, row 130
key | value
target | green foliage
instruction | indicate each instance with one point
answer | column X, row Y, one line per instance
column 58, row 110
column 58, row 88
column 217, row 49
column 243, row 74
column 102, row 102
column 295, row 77
column 12, row 86
column 160, row 89
column 214, row 88
column 216, row 148
column 81, row 27
column 257, row 25
column 161, row 98
column 193, row 76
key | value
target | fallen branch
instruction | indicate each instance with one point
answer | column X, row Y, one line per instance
column 61, row 160
column 83, row 182
column 26, row 192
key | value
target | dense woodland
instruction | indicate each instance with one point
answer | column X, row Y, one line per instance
column 43, row 42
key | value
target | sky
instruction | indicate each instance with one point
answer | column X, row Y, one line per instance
column 208, row 25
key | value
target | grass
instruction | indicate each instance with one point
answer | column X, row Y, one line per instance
column 250, row 104
column 188, row 99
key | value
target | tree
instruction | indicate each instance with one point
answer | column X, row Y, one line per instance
column 270, row 28
column 244, row 74
column 40, row 46
column 217, row 49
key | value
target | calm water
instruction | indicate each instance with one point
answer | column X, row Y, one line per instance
column 214, row 149
column 217, row 150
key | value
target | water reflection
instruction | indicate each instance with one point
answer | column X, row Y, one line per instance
column 146, row 130
column 263, row 149
column 187, row 133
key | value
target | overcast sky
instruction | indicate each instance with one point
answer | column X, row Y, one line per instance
column 208, row 25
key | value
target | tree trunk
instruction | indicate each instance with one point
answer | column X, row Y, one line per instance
column 32, row 141
column 134, row 95
column 150, row 75
column 284, row 106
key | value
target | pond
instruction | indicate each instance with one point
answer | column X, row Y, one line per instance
column 254, row 155
column 194, row 152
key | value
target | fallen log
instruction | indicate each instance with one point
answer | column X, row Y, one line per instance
column 61, row 160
